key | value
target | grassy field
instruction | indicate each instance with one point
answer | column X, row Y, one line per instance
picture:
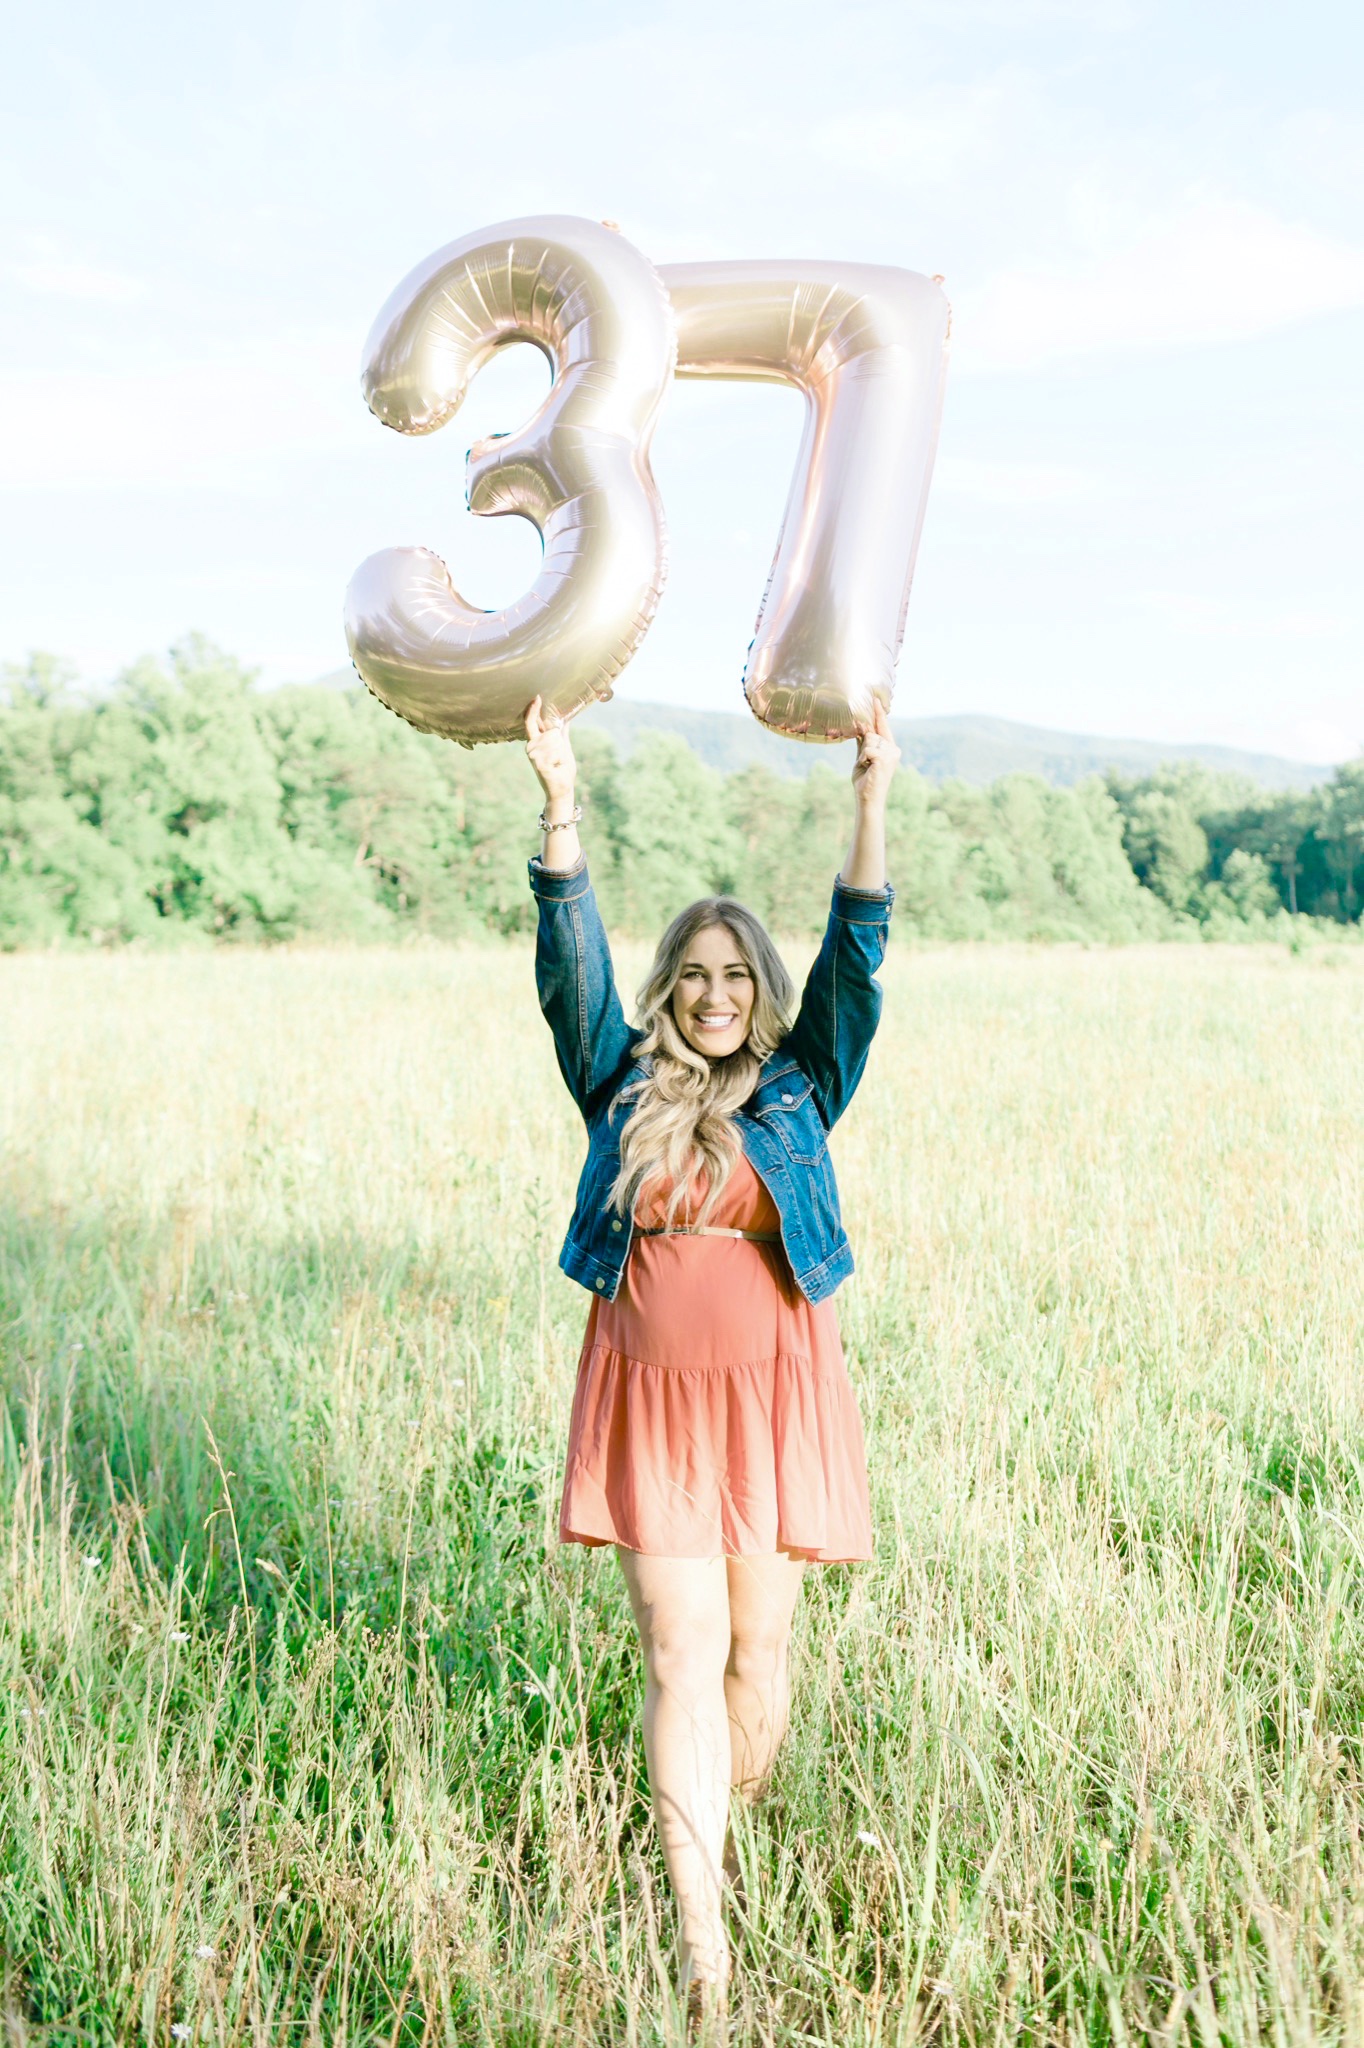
column 311, row 1732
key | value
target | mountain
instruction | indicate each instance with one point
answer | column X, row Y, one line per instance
column 967, row 747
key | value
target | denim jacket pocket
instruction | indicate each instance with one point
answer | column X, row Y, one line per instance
column 786, row 1107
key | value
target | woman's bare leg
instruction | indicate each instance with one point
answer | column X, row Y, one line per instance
column 681, row 1609
column 762, row 1603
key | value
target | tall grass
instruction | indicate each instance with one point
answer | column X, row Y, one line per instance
column 311, row 1732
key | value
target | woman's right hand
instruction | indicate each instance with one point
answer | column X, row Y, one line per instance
column 551, row 753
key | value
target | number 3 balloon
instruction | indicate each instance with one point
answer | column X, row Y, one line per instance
column 579, row 469
column 866, row 343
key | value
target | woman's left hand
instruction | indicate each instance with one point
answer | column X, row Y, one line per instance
column 878, row 757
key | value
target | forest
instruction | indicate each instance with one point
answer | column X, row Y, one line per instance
column 185, row 805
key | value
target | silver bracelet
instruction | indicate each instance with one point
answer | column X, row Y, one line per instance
column 560, row 824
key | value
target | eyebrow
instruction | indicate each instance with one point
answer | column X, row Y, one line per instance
column 699, row 966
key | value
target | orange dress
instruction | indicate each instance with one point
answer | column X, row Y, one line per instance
column 713, row 1414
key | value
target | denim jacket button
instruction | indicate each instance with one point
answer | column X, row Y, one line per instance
column 601, row 1283
column 615, row 1223
column 788, row 1098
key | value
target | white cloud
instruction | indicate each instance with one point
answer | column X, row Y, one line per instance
column 177, row 425
column 1095, row 17
column 1243, row 619
column 1013, row 483
column 947, row 133
column 1330, row 730
column 1324, row 739
column 1218, row 271
column 1321, row 148
column 91, row 283
column 50, row 269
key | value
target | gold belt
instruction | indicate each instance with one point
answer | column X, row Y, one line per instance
column 713, row 1230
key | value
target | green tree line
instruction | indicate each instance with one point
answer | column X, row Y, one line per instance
column 187, row 806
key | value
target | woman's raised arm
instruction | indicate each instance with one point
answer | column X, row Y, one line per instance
column 841, row 1003
column 573, row 973
column 878, row 756
column 551, row 756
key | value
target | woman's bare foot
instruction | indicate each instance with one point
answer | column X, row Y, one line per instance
column 707, row 2011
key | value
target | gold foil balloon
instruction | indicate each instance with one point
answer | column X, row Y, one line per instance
column 867, row 345
column 579, row 469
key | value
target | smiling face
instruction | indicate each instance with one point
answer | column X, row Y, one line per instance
column 713, row 995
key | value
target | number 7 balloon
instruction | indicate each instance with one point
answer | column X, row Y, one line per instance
column 866, row 343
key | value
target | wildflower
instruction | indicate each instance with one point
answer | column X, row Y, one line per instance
column 78, row 1347
column 91, row 1561
column 868, row 1840
column 179, row 1635
column 181, row 2030
column 206, row 1952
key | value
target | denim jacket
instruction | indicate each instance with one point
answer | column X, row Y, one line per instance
column 802, row 1089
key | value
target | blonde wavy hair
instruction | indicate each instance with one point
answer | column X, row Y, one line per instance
column 684, row 1105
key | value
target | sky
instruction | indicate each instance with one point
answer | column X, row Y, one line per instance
column 1147, row 513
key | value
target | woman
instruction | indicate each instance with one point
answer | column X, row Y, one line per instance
column 715, row 1438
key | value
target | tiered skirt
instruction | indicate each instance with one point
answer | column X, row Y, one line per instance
column 713, row 1414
